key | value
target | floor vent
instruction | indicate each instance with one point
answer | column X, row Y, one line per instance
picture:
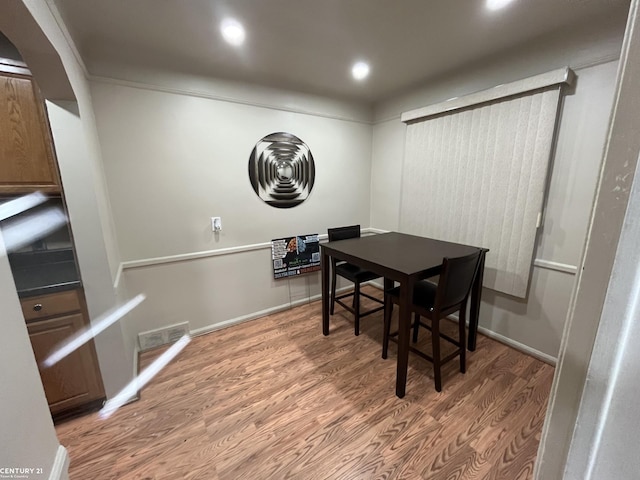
column 162, row 336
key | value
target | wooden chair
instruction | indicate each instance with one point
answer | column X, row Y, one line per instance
column 352, row 273
column 436, row 302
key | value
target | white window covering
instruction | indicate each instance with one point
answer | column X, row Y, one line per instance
column 477, row 175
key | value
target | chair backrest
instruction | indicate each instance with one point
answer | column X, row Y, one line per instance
column 342, row 233
column 456, row 280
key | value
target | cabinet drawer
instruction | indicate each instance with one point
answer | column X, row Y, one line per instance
column 44, row 306
column 75, row 380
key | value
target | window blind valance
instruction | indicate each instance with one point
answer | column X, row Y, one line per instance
column 475, row 172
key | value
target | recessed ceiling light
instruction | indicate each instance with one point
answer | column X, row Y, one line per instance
column 232, row 31
column 360, row 70
column 497, row 4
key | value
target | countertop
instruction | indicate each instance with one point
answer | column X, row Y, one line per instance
column 48, row 271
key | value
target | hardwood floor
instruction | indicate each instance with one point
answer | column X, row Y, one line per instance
column 274, row 399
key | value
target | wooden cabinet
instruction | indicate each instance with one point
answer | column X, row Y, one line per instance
column 74, row 383
column 27, row 160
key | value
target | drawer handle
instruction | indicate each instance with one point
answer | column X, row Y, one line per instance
column 37, row 307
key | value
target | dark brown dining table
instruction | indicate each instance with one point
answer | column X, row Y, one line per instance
column 406, row 259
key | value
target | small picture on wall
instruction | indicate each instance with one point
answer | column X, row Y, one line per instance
column 297, row 255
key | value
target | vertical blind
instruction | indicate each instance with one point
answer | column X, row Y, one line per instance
column 476, row 174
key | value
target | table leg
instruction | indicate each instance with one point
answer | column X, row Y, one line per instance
column 404, row 327
column 476, row 296
column 325, row 291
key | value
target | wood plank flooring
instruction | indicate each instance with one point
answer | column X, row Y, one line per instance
column 274, row 399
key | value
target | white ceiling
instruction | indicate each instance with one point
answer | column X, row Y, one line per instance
column 310, row 45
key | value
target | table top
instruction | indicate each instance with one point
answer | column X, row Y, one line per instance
column 398, row 253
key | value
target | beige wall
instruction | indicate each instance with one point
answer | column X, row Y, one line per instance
column 174, row 157
column 536, row 324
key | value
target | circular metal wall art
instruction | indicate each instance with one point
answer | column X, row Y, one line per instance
column 281, row 170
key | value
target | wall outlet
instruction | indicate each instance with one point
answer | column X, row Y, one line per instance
column 216, row 224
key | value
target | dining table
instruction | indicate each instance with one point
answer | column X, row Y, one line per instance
column 405, row 259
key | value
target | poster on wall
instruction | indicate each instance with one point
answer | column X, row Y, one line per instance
column 297, row 255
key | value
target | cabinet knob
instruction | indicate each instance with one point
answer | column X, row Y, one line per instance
column 37, row 307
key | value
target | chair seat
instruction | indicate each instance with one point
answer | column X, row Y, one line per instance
column 354, row 273
column 424, row 294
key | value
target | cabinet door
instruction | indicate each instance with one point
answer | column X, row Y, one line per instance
column 74, row 380
column 27, row 161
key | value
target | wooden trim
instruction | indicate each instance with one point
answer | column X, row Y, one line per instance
column 555, row 77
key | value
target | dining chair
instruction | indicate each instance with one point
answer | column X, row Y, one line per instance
column 354, row 274
column 435, row 302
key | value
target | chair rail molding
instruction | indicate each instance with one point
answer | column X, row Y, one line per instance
column 183, row 257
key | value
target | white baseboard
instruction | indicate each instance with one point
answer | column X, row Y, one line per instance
column 519, row 346
column 262, row 313
column 280, row 308
column 500, row 338
column 60, row 469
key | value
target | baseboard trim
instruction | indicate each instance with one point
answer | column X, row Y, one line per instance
column 376, row 230
column 519, row 346
column 262, row 313
column 60, row 468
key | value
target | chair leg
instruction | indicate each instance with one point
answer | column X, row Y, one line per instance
column 388, row 310
column 435, row 343
column 462, row 323
column 333, row 290
column 356, row 306
column 416, row 326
